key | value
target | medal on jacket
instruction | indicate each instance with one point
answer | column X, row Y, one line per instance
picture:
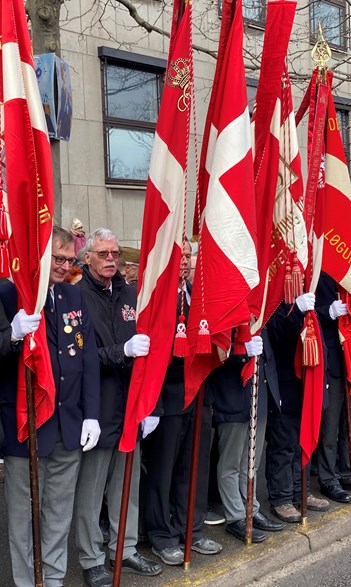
column 71, row 350
column 67, row 327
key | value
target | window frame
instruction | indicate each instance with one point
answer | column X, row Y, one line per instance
column 314, row 34
column 109, row 56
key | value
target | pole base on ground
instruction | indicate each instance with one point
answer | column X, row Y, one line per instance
column 304, row 521
column 248, row 541
column 187, row 566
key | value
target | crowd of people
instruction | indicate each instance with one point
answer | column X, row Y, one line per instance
column 90, row 316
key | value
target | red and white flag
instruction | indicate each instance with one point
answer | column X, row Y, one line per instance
column 273, row 164
column 336, row 260
column 226, row 269
column 161, row 242
column 277, row 170
column 30, row 201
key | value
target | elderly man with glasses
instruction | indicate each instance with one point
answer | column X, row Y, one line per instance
column 111, row 304
column 74, row 423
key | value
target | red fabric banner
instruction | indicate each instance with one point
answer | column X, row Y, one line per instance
column 336, row 259
column 161, row 243
column 227, row 244
column 268, row 121
column 30, row 202
column 313, row 381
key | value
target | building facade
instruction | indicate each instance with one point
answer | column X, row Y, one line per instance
column 117, row 71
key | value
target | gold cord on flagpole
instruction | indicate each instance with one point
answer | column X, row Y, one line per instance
column 321, row 52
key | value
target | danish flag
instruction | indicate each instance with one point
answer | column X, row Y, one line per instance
column 30, row 201
column 226, row 269
column 273, row 165
column 161, row 243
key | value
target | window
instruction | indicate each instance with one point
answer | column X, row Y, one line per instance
column 332, row 16
column 132, row 86
column 254, row 11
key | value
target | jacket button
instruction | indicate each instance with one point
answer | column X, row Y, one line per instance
column 243, row 360
column 59, row 404
column 62, row 378
column 265, row 381
column 60, row 352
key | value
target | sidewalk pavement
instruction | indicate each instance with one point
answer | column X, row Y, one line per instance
column 237, row 566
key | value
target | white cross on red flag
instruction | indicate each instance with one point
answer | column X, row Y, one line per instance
column 30, row 201
column 161, row 242
column 226, row 269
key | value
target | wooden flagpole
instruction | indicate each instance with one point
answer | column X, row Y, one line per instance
column 34, row 482
column 193, row 476
column 128, row 468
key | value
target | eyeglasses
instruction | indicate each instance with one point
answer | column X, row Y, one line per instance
column 105, row 254
column 62, row 260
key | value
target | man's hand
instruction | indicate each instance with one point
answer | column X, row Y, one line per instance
column 90, row 434
column 149, row 424
column 306, row 302
column 254, row 347
column 23, row 324
column 337, row 309
column 137, row 346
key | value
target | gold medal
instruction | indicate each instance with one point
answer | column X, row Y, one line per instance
column 68, row 328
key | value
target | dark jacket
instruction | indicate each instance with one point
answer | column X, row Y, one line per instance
column 284, row 330
column 76, row 376
column 173, row 390
column 326, row 294
column 230, row 400
column 113, row 319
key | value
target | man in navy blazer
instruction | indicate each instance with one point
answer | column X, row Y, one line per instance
column 75, row 366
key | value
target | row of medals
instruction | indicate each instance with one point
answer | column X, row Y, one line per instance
column 68, row 329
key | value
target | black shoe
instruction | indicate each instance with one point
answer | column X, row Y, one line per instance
column 261, row 522
column 336, row 493
column 139, row 565
column 97, row 577
column 238, row 528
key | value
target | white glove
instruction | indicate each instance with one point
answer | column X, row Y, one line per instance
column 90, row 434
column 137, row 346
column 337, row 309
column 23, row 324
column 254, row 347
column 149, row 424
column 306, row 302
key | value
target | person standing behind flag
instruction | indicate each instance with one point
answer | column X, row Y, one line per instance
column 283, row 451
column 168, row 460
column 111, row 302
column 329, row 308
column 75, row 366
column 231, row 415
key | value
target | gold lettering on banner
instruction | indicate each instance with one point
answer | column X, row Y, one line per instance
column 333, row 124
column 280, row 260
column 341, row 247
column 16, row 265
column 178, row 75
column 44, row 214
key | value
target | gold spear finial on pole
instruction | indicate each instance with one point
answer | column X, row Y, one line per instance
column 321, row 52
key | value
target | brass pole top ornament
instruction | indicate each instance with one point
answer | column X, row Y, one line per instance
column 321, row 52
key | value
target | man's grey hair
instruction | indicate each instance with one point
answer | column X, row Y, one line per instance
column 103, row 234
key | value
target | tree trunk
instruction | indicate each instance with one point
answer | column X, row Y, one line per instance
column 45, row 20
